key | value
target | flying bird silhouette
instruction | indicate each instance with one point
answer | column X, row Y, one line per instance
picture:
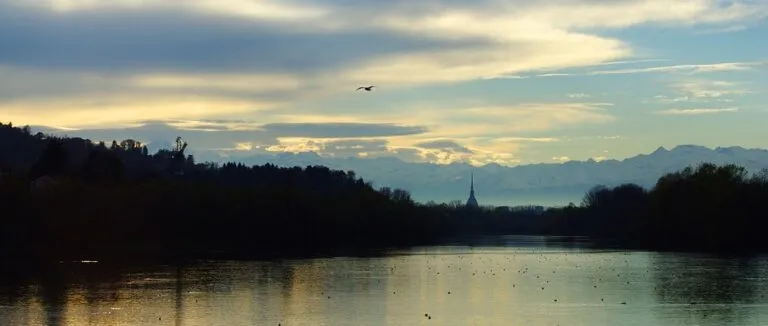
column 367, row 89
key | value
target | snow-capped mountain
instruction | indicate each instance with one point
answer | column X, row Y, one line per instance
column 544, row 184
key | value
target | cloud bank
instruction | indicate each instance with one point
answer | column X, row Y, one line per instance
column 293, row 65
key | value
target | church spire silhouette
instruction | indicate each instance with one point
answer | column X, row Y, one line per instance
column 472, row 202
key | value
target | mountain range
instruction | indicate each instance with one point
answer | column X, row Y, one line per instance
column 548, row 184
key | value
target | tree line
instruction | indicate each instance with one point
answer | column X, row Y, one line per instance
column 702, row 208
column 69, row 197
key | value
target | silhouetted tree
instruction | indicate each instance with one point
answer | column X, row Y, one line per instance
column 401, row 196
column 102, row 166
column 130, row 145
column 54, row 160
column 596, row 197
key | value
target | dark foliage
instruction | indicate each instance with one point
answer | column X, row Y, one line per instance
column 122, row 202
column 707, row 208
column 70, row 198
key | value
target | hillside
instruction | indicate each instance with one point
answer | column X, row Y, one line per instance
column 70, row 197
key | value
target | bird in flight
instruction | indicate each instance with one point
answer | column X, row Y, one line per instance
column 367, row 89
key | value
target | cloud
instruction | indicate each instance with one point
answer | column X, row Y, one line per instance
column 264, row 9
column 244, row 146
column 408, row 154
column 341, row 130
column 245, row 76
column 476, row 121
column 485, row 133
column 269, row 9
column 706, row 89
column 579, row 95
column 207, row 135
column 702, row 91
column 442, row 156
column 727, row 29
column 600, row 137
column 500, row 121
column 526, row 45
column 252, row 83
column 561, row 158
column 230, row 138
column 664, row 99
column 483, row 150
column 682, row 68
column 445, row 145
column 691, row 68
column 501, row 158
column 161, row 133
column 439, row 152
column 235, row 54
column 186, row 39
column 599, row 14
column 81, row 98
column 296, row 145
column 696, row 111
column 624, row 62
column 333, row 148
column 529, row 139
column 612, row 137
column 357, row 148
column 554, row 75
column 123, row 110
column 278, row 36
column 503, row 77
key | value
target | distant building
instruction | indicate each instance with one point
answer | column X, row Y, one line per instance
column 472, row 202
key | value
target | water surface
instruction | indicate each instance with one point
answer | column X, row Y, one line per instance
column 506, row 281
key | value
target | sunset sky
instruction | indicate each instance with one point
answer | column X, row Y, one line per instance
column 511, row 82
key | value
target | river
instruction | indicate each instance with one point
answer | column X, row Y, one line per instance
column 499, row 281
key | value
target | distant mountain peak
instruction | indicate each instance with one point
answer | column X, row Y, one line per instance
column 660, row 150
column 690, row 148
column 528, row 183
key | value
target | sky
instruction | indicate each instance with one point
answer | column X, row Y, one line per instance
column 488, row 81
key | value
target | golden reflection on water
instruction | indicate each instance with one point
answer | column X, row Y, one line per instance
column 452, row 285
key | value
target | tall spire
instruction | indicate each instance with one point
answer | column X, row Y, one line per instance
column 472, row 184
column 472, row 202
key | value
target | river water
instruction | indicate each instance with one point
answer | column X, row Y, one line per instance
column 502, row 281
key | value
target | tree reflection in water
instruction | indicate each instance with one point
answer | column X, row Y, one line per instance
column 718, row 290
